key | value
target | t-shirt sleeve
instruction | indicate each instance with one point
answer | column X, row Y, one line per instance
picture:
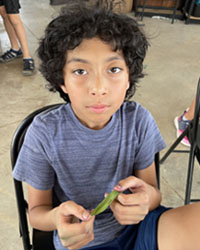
column 34, row 162
column 150, row 141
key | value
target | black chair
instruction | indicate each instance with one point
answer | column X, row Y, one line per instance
column 157, row 166
column 193, row 134
column 40, row 240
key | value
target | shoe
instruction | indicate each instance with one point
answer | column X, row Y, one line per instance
column 10, row 55
column 181, row 125
column 29, row 67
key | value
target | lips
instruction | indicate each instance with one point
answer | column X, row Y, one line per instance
column 98, row 108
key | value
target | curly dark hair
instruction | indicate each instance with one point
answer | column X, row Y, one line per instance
column 80, row 20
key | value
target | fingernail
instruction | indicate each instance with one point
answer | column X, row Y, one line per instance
column 85, row 215
column 118, row 187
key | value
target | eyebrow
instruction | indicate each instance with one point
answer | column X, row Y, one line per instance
column 110, row 59
column 113, row 58
column 77, row 60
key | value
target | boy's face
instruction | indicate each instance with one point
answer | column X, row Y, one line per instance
column 96, row 79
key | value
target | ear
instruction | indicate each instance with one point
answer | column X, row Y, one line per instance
column 64, row 89
column 128, row 85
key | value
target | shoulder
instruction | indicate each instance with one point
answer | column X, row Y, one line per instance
column 132, row 107
column 135, row 112
column 49, row 118
column 52, row 114
column 48, row 121
column 137, row 120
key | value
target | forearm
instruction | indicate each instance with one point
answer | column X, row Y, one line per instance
column 154, row 196
column 43, row 218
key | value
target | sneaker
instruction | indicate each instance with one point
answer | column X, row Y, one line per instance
column 29, row 67
column 181, row 125
column 10, row 55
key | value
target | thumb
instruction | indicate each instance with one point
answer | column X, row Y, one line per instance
column 71, row 208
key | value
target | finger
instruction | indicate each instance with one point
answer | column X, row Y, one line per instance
column 71, row 208
column 130, row 217
column 81, row 239
column 128, row 212
column 139, row 198
column 134, row 210
column 128, row 222
column 127, row 215
column 69, row 241
column 81, row 243
column 129, row 182
column 71, row 230
column 78, row 240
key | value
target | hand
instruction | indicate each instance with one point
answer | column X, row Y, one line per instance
column 131, row 208
column 74, row 233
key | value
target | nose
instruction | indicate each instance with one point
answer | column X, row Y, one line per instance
column 98, row 87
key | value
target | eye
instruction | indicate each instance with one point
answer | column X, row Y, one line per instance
column 80, row 72
column 115, row 70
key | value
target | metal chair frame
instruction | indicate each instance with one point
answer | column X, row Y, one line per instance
column 193, row 134
column 45, row 238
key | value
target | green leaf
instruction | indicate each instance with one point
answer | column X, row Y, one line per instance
column 106, row 202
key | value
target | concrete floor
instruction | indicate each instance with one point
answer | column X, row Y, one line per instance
column 172, row 67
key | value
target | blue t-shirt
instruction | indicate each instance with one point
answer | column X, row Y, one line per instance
column 82, row 164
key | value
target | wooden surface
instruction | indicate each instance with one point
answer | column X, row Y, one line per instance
column 162, row 3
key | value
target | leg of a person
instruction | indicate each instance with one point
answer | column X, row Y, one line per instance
column 20, row 32
column 9, row 29
column 190, row 113
column 179, row 228
column 12, row 9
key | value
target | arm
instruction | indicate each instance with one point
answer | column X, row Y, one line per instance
column 144, row 197
column 41, row 214
column 65, row 218
column 148, row 175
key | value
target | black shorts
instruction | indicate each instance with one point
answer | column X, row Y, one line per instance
column 11, row 6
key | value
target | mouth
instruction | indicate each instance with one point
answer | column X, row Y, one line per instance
column 98, row 108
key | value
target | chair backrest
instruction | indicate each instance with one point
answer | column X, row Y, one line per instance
column 196, row 123
column 157, row 167
column 16, row 144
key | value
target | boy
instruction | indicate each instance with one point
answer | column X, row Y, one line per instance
column 98, row 141
column 9, row 10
